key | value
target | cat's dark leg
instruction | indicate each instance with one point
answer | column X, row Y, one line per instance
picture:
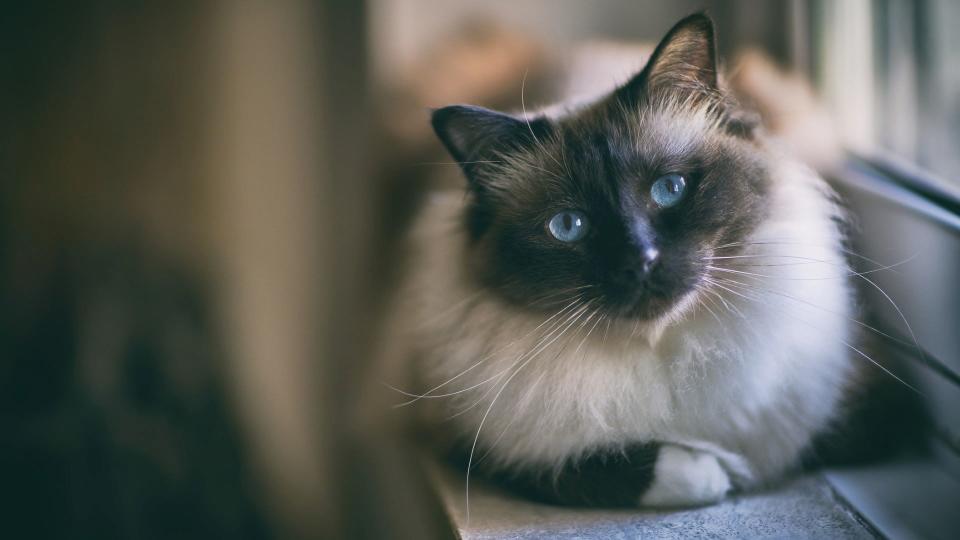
column 603, row 478
column 881, row 416
column 650, row 474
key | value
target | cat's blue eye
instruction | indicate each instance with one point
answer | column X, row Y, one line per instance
column 668, row 190
column 568, row 226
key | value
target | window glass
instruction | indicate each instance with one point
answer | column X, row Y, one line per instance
column 889, row 73
column 938, row 87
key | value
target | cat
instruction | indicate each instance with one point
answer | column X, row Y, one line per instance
column 638, row 301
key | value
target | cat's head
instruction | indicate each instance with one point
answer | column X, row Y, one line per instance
column 619, row 201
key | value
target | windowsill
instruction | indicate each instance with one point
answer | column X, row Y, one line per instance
column 804, row 507
column 914, row 498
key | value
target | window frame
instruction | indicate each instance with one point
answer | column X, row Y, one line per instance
column 904, row 498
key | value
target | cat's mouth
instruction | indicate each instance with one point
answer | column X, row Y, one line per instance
column 647, row 302
column 647, row 308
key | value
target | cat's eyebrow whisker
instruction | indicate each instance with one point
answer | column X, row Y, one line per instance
column 458, row 163
column 526, row 118
column 528, row 163
column 563, row 156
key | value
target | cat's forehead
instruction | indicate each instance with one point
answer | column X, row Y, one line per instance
column 653, row 132
column 601, row 143
column 589, row 153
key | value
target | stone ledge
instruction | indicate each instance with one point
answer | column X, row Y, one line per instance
column 804, row 507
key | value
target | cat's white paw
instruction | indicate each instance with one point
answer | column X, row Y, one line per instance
column 685, row 477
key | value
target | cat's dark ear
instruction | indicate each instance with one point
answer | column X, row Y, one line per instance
column 684, row 64
column 473, row 134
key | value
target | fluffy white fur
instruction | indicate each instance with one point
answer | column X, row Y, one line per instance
column 746, row 376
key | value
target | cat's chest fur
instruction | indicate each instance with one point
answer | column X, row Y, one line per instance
column 754, row 372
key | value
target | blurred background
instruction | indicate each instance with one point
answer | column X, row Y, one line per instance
column 200, row 207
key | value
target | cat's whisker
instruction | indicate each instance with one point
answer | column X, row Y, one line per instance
column 543, row 299
column 828, row 248
column 731, row 291
column 702, row 302
column 635, row 330
column 848, row 345
column 446, row 312
column 781, row 265
column 526, row 118
column 520, row 359
column 493, row 402
column 884, row 334
column 731, row 309
column 563, row 156
column 528, row 163
column 457, row 163
column 848, row 271
column 805, row 260
column 735, row 283
column 606, row 331
column 530, row 391
column 789, row 278
column 543, row 372
column 915, row 344
column 887, row 371
column 543, row 337
column 429, row 393
column 593, row 313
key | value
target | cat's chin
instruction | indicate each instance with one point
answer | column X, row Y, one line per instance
column 650, row 309
column 644, row 312
column 652, row 323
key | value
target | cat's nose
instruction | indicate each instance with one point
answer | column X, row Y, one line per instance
column 650, row 256
column 638, row 268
